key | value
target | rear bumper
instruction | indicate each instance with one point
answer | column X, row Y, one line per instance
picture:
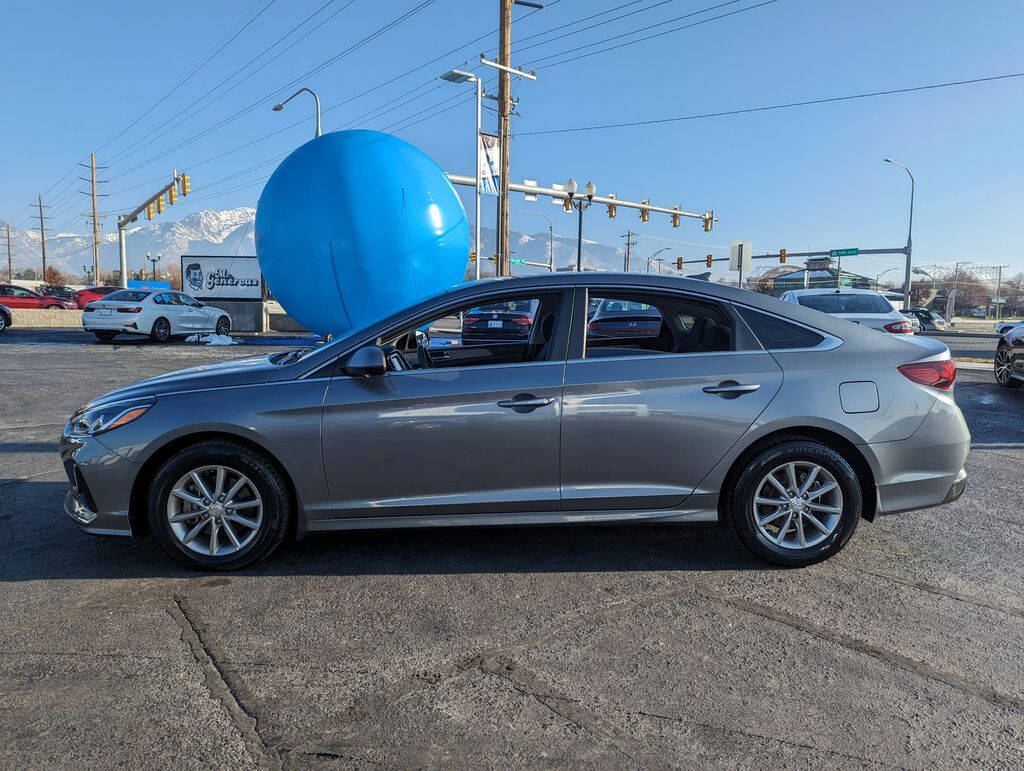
column 115, row 322
column 927, row 469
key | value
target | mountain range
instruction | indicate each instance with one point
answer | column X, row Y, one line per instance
column 230, row 232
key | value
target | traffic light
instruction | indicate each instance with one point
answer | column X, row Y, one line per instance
column 709, row 221
column 709, row 260
column 611, row 207
column 149, row 211
column 675, row 218
column 172, row 195
column 472, row 256
column 645, row 214
column 159, row 205
column 567, row 203
column 782, row 256
column 679, row 263
column 186, row 185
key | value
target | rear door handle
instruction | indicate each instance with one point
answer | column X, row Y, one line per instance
column 730, row 389
column 526, row 402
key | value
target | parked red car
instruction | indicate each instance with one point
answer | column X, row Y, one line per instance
column 83, row 296
column 19, row 297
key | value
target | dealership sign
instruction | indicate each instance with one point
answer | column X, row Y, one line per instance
column 221, row 278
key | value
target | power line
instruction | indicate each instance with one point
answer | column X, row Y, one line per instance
column 785, row 106
column 193, row 71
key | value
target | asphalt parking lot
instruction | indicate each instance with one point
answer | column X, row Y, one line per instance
column 645, row 646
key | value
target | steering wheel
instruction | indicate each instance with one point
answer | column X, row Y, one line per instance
column 423, row 355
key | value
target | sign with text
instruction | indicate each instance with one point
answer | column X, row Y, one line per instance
column 844, row 252
column 221, row 278
column 490, row 164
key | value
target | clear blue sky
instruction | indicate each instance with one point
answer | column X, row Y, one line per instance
column 811, row 177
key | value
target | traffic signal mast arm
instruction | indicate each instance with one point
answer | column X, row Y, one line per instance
column 708, row 217
column 134, row 215
column 157, row 199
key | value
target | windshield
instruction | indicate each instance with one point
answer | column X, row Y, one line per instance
column 127, row 295
column 846, row 303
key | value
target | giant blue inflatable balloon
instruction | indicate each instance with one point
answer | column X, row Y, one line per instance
column 355, row 225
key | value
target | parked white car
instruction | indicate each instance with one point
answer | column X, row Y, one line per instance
column 861, row 306
column 161, row 315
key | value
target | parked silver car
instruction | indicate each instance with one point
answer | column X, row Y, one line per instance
column 786, row 423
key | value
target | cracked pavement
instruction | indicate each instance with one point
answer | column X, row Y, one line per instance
column 589, row 646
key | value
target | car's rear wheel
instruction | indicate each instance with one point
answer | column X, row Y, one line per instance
column 795, row 503
column 161, row 331
column 3, row 322
column 1003, row 369
column 218, row 505
column 54, row 307
column 223, row 326
column 105, row 336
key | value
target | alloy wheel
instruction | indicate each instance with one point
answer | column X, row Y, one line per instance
column 162, row 330
column 1002, row 366
column 797, row 505
column 215, row 510
column 223, row 326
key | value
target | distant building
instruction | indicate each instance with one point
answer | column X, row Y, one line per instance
column 818, row 274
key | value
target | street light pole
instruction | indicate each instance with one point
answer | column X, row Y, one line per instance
column 878, row 277
column 551, row 236
column 316, row 99
column 589, row 191
column 461, row 76
column 665, row 249
column 910, row 233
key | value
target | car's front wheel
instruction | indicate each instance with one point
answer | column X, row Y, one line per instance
column 161, row 331
column 1003, row 371
column 218, row 505
column 795, row 503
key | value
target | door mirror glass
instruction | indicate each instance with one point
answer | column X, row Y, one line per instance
column 367, row 361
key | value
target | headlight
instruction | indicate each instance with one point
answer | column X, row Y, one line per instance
column 108, row 416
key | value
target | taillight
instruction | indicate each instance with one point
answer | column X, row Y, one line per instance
column 470, row 319
column 900, row 328
column 136, row 309
column 934, row 374
column 523, row 321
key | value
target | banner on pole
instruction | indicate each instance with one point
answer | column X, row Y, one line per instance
column 490, row 159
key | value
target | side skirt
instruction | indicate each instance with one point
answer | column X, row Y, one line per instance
column 529, row 518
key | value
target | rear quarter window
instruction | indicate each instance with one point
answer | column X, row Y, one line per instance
column 778, row 334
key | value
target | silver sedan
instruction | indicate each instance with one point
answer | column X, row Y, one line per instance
column 788, row 424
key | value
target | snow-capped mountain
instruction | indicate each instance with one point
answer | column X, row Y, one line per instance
column 202, row 232
column 230, row 232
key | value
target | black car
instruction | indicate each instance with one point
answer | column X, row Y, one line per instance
column 5, row 317
column 58, row 291
column 1009, row 365
column 931, row 321
column 499, row 321
column 624, row 318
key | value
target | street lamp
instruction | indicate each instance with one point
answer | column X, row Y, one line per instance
column 878, row 277
column 589, row 191
column 910, row 231
column 280, row 106
column 461, row 76
column 551, row 236
column 653, row 256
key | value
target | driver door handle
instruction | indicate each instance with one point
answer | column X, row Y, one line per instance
column 526, row 401
column 731, row 389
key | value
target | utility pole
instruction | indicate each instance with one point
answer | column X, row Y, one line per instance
column 42, row 236
column 999, row 290
column 504, row 111
column 630, row 243
column 10, row 270
column 95, row 224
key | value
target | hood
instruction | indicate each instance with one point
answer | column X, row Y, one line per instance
column 254, row 369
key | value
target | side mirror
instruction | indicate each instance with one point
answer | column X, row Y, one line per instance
column 367, row 361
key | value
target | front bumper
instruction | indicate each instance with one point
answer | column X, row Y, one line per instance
column 101, row 483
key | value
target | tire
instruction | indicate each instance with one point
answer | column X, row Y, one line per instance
column 223, row 326
column 264, row 483
column 54, row 307
column 3, row 322
column 740, row 508
column 160, row 332
column 1001, row 369
column 105, row 336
